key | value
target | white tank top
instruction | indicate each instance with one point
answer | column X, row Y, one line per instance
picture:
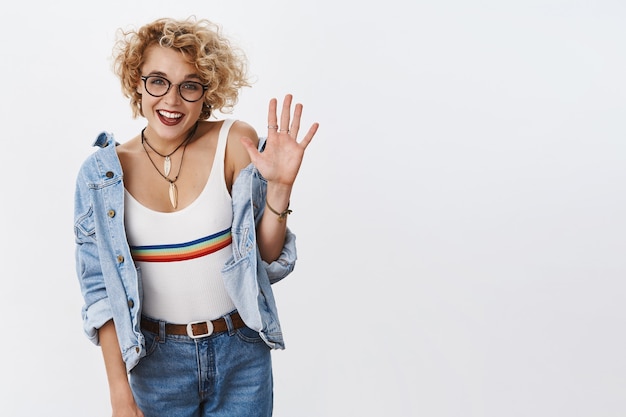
column 181, row 254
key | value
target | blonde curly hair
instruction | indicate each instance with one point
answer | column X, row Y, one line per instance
column 220, row 65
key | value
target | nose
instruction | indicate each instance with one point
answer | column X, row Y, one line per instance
column 173, row 95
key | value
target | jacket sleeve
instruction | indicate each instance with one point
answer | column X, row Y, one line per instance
column 284, row 265
column 96, row 310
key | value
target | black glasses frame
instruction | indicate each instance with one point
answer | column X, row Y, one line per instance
column 169, row 86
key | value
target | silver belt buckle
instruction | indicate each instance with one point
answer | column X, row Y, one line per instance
column 209, row 327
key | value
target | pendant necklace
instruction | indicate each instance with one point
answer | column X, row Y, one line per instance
column 167, row 164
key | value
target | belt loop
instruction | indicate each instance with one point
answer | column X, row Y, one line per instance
column 162, row 334
column 229, row 324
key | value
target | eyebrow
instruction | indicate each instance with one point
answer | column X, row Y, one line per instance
column 186, row 77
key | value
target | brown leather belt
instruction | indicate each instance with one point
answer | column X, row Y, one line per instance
column 196, row 329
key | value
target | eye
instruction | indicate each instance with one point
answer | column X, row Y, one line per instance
column 157, row 81
column 191, row 86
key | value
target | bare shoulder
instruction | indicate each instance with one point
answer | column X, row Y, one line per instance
column 235, row 151
column 241, row 129
column 237, row 156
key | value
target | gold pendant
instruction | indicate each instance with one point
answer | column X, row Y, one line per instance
column 173, row 195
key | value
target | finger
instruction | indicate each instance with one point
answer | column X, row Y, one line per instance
column 309, row 135
column 286, row 113
column 272, row 120
column 295, row 123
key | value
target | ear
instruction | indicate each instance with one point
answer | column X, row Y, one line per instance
column 139, row 87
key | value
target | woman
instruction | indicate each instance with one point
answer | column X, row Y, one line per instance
column 181, row 230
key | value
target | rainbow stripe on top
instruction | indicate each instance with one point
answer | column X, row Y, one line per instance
column 182, row 251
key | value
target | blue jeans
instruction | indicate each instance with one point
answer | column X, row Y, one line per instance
column 227, row 374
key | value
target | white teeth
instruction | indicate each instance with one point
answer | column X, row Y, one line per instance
column 170, row 115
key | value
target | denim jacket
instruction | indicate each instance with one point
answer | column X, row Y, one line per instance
column 111, row 283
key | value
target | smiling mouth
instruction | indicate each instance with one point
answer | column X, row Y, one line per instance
column 169, row 118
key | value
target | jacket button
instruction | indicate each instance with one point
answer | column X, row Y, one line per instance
column 109, row 174
column 137, row 349
column 120, row 258
column 131, row 304
column 111, row 213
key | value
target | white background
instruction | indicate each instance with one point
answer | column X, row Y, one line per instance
column 460, row 213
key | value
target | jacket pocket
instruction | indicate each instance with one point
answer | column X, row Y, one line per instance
column 84, row 226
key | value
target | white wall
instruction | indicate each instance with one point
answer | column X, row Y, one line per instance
column 460, row 214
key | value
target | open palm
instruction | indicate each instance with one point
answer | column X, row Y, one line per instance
column 280, row 161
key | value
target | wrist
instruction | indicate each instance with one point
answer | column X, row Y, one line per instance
column 277, row 200
column 279, row 190
column 120, row 390
column 282, row 215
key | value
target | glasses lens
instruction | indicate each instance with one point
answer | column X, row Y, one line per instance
column 191, row 90
column 157, row 86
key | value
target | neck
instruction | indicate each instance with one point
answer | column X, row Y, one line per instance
column 167, row 147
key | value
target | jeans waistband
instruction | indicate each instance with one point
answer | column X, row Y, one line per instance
column 194, row 329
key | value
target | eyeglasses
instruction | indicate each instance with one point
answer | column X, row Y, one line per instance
column 157, row 86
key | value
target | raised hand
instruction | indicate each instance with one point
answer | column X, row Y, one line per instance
column 280, row 162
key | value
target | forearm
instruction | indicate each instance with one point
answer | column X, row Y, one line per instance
column 271, row 230
column 117, row 377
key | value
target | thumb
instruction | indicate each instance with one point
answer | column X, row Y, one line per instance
column 250, row 147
